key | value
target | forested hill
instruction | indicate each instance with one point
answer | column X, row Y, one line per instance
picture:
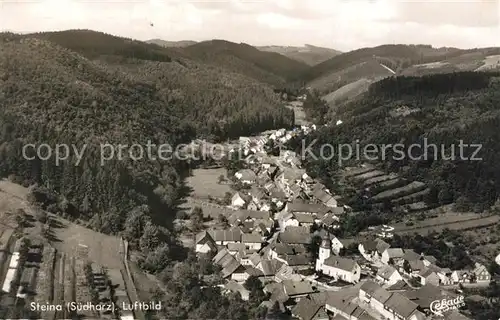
column 54, row 95
column 268, row 67
column 444, row 109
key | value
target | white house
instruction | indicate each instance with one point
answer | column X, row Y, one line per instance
column 481, row 273
column 396, row 254
column 388, row 275
column 238, row 200
column 372, row 250
column 252, row 241
column 334, row 266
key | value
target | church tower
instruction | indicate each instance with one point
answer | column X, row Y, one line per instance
column 325, row 250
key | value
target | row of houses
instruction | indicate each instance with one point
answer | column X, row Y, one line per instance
column 399, row 262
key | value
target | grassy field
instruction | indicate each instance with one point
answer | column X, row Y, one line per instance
column 204, row 183
column 102, row 249
column 451, row 220
column 414, row 186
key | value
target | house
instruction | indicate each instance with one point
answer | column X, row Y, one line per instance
column 394, row 255
column 372, row 249
column 227, row 262
column 337, row 245
column 205, row 243
column 325, row 198
column 295, row 236
column 334, row 266
column 240, row 274
column 428, row 276
column 224, row 237
column 305, row 220
column 388, row 275
column 298, row 206
column 345, row 306
column 246, row 176
column 329, row 221
column 307, row 309
column 390, row 305
column 413, row 267
column 481, row 273
column 289, row 176
column 461, row 276
column 239, row 200
column 428, row 260
column 297, row 289
column 252, row 241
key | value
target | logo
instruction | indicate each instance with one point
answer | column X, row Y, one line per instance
column 438, row 307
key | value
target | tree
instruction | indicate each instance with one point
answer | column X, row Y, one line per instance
column 222, row 220
column 150, row 238
column 221, row 179
column 196, row 219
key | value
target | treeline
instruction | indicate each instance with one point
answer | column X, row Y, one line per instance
column 434, row 114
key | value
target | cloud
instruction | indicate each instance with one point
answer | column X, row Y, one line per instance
column 340, row 24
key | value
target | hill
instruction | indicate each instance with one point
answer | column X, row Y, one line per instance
column 55, row 96
column 440, row 110
column 347, row 75
column 172, row 44
column 268, row 67
column 308, row 54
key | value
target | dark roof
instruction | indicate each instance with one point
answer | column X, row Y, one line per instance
column 306, row 309
column 410, row 255
column 297, row 260
column 233, row 234
column 399, row 286
column 251, row 238
column 340, row 263
column 300, row 206
column 294, row 288
column 304, row 217
column 401, row 305
column 294, row 237
column 228, row 263
column 386, row 272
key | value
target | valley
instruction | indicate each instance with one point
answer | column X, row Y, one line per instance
column 261, row 232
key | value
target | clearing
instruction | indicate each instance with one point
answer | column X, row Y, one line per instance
column 205, row 183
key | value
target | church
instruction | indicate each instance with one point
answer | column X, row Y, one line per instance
column 334, row 266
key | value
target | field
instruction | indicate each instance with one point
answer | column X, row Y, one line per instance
column 491, row 62
column 102, row 249
column 452, row 221
column 204, row 183
column 415, row 186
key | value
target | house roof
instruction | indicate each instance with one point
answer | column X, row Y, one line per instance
column 401, row 305
column 300, row 206
column 293, row 237
column 306, row 309
column 395, row 253
column 294, row 288
column 426, row 294
column 398, row 286
column 270, row 267
column 455, row 315
column 257, row 192
column 297, row 260
column 322, row 195
column 233, row 234
column 304, row 218
column 376, row 291
column 410, row 255
column 426, row 272
column 330, row 219
column 248, row 214
column 236, row 246
column 377, row 245
column 340, row 263
column 386, row 272
column 204, row 237
column 417, row 265
column 429, row 258
column 228, row 263
column 251, row 238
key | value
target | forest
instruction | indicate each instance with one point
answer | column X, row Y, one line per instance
column 442, row 110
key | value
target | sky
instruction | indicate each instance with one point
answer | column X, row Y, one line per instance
column 340, row 24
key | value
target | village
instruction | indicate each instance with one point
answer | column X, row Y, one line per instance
column 280, row 227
